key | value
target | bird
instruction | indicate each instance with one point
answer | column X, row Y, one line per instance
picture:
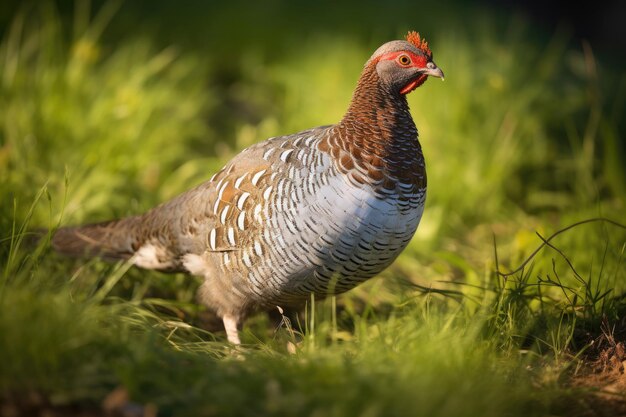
column 315, row 212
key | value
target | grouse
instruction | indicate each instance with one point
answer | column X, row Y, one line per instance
column 319, row 211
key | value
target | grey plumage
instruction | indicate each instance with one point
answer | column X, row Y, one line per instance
column 319, row 211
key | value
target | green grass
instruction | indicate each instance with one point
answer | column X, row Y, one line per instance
column 98, row 121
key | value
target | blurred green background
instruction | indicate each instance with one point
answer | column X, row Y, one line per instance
column 108, row 108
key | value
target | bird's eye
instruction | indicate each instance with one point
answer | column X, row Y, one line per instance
column 404, row 60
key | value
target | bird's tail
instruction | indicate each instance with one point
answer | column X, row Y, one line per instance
column 115, row 239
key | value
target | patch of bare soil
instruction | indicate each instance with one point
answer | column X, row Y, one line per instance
column 603, row 372
column 116, row 404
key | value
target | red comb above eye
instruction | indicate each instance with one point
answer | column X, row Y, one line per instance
column 421, row 44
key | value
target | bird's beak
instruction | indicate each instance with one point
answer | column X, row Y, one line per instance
column 433, row 70
column 421, row 76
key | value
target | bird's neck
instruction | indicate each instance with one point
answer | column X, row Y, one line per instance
column 378, row 130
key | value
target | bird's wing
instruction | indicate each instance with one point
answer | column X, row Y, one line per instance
column 225, row 213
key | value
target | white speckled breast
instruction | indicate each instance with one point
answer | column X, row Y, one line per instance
column 325, row 234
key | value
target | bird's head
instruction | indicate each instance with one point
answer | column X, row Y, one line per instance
column 404, row 65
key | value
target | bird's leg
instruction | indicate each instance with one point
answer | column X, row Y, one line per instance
column 230, row 324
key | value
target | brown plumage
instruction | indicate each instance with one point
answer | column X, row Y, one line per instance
column 319, row 211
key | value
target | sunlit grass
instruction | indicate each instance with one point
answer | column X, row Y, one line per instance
column 104, row 116
column 522, row 137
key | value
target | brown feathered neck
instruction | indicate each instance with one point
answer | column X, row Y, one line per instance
column 376, row 106
column 378, row 134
